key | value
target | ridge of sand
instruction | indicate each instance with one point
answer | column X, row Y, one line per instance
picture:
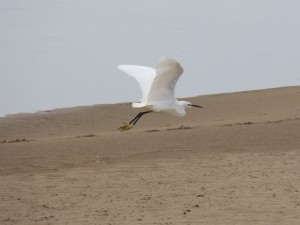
column 237, row 161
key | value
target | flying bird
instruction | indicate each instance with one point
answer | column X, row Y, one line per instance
column 158, row 86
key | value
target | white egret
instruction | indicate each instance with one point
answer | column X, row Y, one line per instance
column 158, row 86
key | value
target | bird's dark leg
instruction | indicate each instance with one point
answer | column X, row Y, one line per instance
column 137, row 116
column 135, row 119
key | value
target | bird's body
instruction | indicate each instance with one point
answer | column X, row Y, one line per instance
column 158, row 87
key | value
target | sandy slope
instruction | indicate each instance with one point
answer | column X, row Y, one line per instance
column 235, row 162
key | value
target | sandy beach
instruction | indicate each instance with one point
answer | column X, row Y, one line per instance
column 237, row 161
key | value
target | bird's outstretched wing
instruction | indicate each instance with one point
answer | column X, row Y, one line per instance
column 144, row 76
column 162, row 89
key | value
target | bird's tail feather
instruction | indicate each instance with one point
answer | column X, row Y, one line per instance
column 138, row 105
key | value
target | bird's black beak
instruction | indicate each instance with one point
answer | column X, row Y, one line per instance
column 197, row 106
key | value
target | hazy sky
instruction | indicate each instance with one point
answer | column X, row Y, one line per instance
column 63, row 53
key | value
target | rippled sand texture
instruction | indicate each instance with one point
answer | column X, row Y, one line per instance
column 236, row 161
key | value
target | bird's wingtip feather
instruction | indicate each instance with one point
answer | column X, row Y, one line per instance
column 120, row 67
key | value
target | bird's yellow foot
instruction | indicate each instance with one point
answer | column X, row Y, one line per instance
column 125, row 127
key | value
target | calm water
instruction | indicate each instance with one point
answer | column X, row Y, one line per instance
column 63, row 53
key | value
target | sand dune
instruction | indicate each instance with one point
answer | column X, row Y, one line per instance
column 236, row 161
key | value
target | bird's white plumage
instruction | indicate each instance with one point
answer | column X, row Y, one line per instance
column 162, row 88
column 158, row 85
column 143, row 75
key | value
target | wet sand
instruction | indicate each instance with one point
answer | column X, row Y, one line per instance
column 236, row 161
